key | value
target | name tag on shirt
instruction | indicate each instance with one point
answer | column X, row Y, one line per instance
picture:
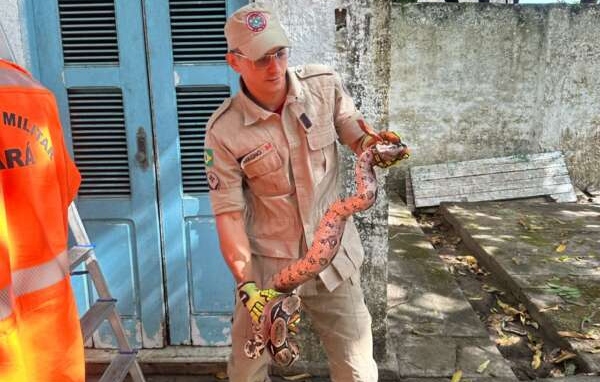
column 257, row 153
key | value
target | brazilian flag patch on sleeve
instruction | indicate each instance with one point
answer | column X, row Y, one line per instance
column 209, row 158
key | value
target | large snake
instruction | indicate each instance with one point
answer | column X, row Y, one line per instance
column 272, row 331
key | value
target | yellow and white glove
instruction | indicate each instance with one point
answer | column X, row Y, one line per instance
column 255, row 299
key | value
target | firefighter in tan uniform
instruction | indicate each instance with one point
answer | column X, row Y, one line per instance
column 272, row 167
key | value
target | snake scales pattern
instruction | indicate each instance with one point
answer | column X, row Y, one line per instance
column 328, row 234
column 272, row 331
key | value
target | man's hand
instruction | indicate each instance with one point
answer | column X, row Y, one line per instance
column 255, row 299
column 383, row 137
column 372, row 137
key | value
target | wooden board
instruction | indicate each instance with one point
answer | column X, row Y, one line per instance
column 512, row 177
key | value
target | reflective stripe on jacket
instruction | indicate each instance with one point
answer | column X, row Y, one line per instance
column 5, row 303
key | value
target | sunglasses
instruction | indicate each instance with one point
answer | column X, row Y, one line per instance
column 264, row 61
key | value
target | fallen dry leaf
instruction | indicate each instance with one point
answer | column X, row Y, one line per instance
column 491, row 289
column 563, row 356
column 483, row 366
column 561, row 247
column 470, row 260
column 297, row 377
column 555, row 307
column 517, row 261
column 435, row 240
column 571, row 334
column 456, row 376
column 533, row 323
column 536, row 348
column 563, row 258
column 507, row 308
column 536, row 360
column 507, row 340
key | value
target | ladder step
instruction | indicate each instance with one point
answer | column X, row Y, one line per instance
column 119, row 367
column 92, row 319
column 78, row 254
column 104, row 308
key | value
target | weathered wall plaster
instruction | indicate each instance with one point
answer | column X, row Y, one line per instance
column 475, row 81
column 357, row 47
column 12, row 20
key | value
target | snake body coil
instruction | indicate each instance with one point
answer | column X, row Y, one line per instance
column 328, row 234
column 272, row 331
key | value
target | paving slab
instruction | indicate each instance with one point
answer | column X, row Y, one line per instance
column 548, row 256
column 474, row 353
column 421, row 356
column 574, row 378
column 423, row 296
column 477, row 379
column 437, row 357
column 433, row 329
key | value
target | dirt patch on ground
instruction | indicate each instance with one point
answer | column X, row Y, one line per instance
column 517, row 336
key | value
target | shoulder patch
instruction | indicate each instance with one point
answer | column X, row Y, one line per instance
column 219, row 112
column 312, row 70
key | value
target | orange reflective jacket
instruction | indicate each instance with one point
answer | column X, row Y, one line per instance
column 11, row 361
column 39, row 181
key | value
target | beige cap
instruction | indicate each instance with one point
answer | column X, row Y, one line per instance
column 254, row 29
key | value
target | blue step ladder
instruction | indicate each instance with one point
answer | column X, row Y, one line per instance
column 125, row 362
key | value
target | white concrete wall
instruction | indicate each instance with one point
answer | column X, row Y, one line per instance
column 310, row 27
column 12, row 20
column 475, row 81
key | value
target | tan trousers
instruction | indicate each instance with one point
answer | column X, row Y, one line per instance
column 340, row 318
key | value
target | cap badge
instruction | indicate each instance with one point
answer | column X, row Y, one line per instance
column 256, row 21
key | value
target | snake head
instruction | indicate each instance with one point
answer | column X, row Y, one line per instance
column 385, row 155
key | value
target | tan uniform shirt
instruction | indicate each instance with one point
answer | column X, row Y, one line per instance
column 282, row 172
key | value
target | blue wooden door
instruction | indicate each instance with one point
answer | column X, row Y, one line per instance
column 92, row 56
column 136, row 81
column 189, row 79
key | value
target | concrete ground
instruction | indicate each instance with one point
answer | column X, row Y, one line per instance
column 538, row 250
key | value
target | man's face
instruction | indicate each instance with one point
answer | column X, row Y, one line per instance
column 265, row 76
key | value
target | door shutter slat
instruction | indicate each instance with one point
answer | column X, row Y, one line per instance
column 195, row 105
column 100, row 142
column 88, row 31
column 197, row 30
column 91, row 12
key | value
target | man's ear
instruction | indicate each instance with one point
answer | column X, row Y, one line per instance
column 233, row 61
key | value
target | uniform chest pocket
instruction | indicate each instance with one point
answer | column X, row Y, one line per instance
column 319, row 139
column 265, row 173
column 321, row 142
